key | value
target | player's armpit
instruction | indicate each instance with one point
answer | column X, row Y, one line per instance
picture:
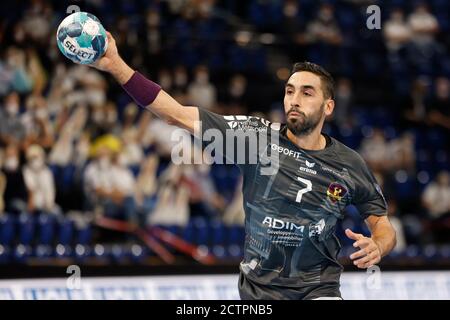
column 382, row 233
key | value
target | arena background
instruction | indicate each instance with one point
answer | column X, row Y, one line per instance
column 175, row 232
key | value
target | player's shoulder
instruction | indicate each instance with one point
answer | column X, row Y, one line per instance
column 347, row 154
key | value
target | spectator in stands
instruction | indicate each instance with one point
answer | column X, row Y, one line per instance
column 132, row 148
column 324, row 29
column 2, row 185
column 374, row 149
column 401, row 154
column 414, row 106
column 423, row 48
column 97, row 177
column 108, row 184
column 37, row 20
column 124, row 188
column 180, row 79
column 15, row 195
column 12, row 130
column 344, row 100
column 165, row 80
column 439, row 113
column 39, row 130
column 172, row 207
column 203, row 194
column 82, row 147
column 16, row 71
column 62, row 152
column 436, row 197
column 293, row 26
column 236, row 96
column 201, row 92
column 397, row 32
column 234, row 213
column 39, row 181
column 423, row 24
column 147, row 184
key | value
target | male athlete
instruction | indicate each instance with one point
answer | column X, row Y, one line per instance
column 290, row 246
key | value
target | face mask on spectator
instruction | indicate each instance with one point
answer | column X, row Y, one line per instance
column 165, row 81
column 36, row 163
column 202, row 78
column 12, row 109
column 111, row 117
column 180, row 79
column 325, row 16
column 97, row 116
column 41, row 113
column 122, row 161
column 104, row 162
column 290, row 10
column 11, row 163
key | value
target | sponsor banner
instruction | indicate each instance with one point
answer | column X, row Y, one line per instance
column 421, row 285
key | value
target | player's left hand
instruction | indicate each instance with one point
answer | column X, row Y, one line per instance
column 369, row 253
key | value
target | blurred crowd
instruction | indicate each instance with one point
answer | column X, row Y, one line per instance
column 72, row 140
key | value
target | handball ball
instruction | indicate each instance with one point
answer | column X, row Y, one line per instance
column 82, row 38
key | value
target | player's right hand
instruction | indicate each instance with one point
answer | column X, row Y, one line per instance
column 109, row 60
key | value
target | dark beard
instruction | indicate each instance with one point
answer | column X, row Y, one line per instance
column 304, row 127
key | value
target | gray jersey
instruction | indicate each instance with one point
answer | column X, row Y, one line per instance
column 291, row 215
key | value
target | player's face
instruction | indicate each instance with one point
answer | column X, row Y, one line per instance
column 304, row 103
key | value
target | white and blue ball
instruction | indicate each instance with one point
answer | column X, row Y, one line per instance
column 82, row 38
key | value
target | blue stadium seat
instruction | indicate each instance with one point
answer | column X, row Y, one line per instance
column 217, row 232
column 84, row 234
column 26, row 224
column 43, row 251
column 235, row 251
column 5, row 254
column 236, row 235
column 63, row 251
column 46, row 228
column 22, row 253
column 201, row 230
column 118, row 253
column 189, row 232
column 65, row 232
column 7, row 229
column 138, row 253
column 219, row 251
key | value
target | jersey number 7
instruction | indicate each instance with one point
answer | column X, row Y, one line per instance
column 304, row 190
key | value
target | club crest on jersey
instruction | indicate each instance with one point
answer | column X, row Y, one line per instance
column 336, row 192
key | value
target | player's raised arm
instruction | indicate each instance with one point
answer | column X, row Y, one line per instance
column 145, row 92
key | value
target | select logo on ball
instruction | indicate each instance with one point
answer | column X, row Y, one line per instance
column 83, row 53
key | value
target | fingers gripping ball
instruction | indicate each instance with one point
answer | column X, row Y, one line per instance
column 82, row 38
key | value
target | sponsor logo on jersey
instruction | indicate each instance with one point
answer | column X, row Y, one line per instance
column 308, row 170
column 332, row 171
column 281, row 225
column 285, row 151
column 336, row 192
column 316, row 229
column 309, row 164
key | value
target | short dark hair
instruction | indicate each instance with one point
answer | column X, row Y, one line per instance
column 325, row 77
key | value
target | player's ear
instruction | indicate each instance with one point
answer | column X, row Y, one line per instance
column 329, row 107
